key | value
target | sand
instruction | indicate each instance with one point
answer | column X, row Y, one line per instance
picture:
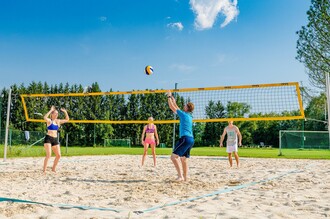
column 118, row 187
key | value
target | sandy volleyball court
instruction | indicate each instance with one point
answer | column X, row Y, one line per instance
column 117, row 187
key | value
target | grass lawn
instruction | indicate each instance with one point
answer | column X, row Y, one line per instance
column 38, row 151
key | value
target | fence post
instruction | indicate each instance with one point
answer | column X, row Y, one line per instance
column 66, row 142
column 280, row 141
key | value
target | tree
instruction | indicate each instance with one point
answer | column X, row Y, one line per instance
column 313, row 45
column 267, row 131
column 236, row 110
column 198, row 130
column 93, row 112
column 316, row 111
column 133, row 113
column 213, row 130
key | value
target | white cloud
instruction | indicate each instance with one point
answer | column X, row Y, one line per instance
column 177, row 25
column 103, row 18
column 182, row 68
column 207, row 11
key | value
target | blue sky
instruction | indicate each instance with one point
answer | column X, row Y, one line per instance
column 196, row 43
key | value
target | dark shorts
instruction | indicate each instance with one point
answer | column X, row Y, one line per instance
column 51, row 140
column 183, row 147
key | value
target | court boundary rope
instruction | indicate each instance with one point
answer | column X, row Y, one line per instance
column 217, row 192
column 221, row 191
column 66, row 206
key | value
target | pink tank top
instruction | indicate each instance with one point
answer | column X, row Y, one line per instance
column 150, row 130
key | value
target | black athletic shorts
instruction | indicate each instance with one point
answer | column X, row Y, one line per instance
column 51, row 140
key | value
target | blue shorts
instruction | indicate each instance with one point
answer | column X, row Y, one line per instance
column 183, row 147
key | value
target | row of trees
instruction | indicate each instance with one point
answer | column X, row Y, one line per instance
column 140, row 107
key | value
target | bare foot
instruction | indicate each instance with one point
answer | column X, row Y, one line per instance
column 179, row 179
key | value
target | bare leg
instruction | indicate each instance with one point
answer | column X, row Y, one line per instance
column 48, row 154
column 236, row 158
column 185, row 168
column 145, row 152
column 153, row 150
column 57, row 151
column 230, row 159
column 175, row 160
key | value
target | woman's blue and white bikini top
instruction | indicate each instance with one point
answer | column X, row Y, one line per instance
column 53, row 127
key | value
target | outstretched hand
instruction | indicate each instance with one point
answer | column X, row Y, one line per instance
column 63, row 110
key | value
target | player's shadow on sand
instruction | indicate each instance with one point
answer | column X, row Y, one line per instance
column 104, row 181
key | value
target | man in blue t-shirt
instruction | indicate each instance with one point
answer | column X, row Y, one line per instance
column 186, row 141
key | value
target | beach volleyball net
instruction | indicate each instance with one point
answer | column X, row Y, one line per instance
column 280, row 101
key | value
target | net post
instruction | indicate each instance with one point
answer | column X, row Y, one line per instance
column 328, row 102
column 10, row 138
column 66, row 143
column 0, row 114
column 94, row 136
column 303, row 135
column 7, row 126
column 174, row 118
column 280, row 143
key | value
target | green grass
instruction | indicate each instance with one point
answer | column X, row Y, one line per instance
column 38, row 151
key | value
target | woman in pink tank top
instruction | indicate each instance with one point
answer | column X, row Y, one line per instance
column 149, row 137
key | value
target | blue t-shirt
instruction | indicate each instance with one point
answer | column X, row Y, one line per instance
column 185, row 128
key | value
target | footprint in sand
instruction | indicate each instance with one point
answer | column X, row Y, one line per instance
column 234, row 182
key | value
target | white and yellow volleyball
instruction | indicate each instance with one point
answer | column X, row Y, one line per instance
column 149, row 70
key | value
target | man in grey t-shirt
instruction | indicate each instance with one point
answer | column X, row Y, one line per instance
column 234, row 139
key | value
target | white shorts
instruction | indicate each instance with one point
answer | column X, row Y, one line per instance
column 231, row 148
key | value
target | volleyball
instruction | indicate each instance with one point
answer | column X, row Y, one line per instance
column 149, row 70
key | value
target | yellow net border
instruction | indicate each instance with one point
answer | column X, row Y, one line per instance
column 267, row 92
